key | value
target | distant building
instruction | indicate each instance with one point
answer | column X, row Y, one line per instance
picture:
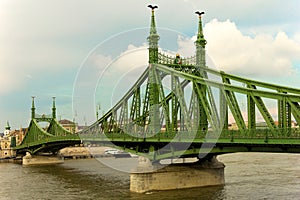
column 69, row 125
column 19, row 134
column 6, row 143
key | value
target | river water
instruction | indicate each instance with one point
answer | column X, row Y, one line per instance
column 247, row 176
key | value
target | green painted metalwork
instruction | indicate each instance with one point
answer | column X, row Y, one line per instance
column 184, row 120
column 235, row 140
column 200, row 42
column 251, row 112
column 263, row 110
column 158, row 121
column 53, row 109
column 234, row 106
column 48, row 139
column 32, row 108
column 163, row 102
column 154, row 120
column 201, row 90
column 153, row 39
column 223, row 110
column 295, row 109
column 174, row 104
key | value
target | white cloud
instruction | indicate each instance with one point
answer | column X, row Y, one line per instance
column 234, row 52
column 106, row 65
column 53, row 36
column 297, row 37
column 263, row 54
column 124, row 70
column 133, row 57
column 186, row 46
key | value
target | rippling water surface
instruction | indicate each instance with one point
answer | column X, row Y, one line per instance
column 247, row 176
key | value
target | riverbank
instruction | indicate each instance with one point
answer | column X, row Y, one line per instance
column 70, row 153
column 11, row 160
column 84, row 152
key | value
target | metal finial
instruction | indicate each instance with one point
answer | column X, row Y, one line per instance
column 152, row 7
column 199, row 13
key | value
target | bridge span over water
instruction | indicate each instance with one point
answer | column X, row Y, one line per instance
column 180, row 107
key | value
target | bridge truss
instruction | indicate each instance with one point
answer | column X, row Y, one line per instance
column 46, row 140
column 180, row 108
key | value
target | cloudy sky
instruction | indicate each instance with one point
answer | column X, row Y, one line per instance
column 81, row 51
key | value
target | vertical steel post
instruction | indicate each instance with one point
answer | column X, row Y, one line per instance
column 223, row 110
column 53, row 109
column 251, row 114
column 200, row 62
column 32, row 108
column 284, row 115
column 153, row 87
column 174, row 105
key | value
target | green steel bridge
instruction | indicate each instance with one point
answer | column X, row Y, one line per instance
column 179, row 107
column 46, row 140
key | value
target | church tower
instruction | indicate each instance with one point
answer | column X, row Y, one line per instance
column 7, row 129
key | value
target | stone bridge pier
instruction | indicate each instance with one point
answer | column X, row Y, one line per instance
column 154, row 176
column 29, row 159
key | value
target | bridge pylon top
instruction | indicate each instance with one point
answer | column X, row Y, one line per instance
column 198, row 59
column 32, row 108
column 53, row 109
column 43, row 117
column 200, row 43
column 153, row 38
column 200, row 36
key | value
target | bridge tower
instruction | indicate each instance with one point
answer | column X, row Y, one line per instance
column 201, row 62
column 153, row 38
column 40, row 139
column 149, row 175
column 170, row 114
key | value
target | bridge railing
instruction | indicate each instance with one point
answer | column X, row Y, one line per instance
column 292, row 133
column 166, row 59
column 198, row 136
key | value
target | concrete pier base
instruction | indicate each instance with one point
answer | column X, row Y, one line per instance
column 176, row 176
column 40, row 160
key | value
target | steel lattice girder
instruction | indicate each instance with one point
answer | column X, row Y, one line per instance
column 292, row 99
column 36, row 138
